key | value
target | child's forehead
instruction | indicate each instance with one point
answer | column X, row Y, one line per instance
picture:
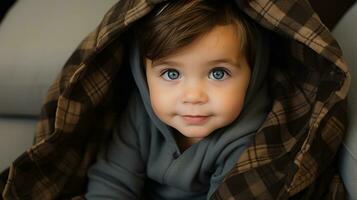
column 221, row 44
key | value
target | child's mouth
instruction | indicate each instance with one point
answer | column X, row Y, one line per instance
column 195, row 119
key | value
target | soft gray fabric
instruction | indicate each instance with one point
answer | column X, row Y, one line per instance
column 345, row 33
column 35, row 44
column 143, row 146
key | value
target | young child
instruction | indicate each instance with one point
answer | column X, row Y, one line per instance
column 196, row 125
column 199, row 69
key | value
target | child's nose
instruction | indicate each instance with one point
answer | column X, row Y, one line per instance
column 194, row 94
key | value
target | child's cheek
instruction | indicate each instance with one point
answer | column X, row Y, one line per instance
column 228, row 103
column 161, row 104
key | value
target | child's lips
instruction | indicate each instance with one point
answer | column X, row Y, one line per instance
column 195, row 119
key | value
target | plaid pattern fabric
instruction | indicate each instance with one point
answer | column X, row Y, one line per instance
column 293, row 154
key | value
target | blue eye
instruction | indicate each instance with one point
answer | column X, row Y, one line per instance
column 218, row 74
column 171, row 74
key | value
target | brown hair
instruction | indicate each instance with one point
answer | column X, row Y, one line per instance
column 174, row 25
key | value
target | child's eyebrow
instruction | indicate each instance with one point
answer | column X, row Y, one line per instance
column 164, row 62
column 211, row 62
column 223, row 60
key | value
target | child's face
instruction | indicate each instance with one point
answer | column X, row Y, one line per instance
column 201, row 87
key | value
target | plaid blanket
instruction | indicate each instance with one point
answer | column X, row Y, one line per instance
column 293, row 154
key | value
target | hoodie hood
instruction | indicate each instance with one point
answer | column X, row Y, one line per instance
column 293, row 151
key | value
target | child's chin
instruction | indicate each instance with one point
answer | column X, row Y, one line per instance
column 195, row 132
